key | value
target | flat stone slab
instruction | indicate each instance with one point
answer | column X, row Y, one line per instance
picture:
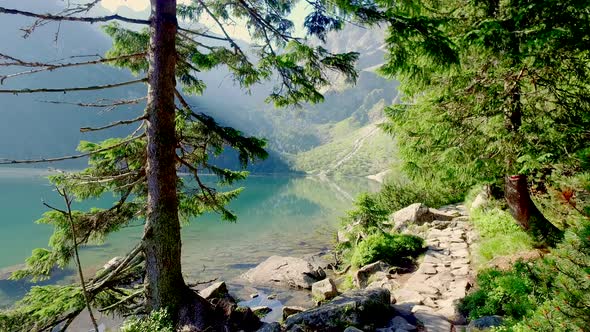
column 427, row 269
column 433, row 322
column 423, row 289
column 407, row 296
column 400, row 323
column 461, row 272
column 461, row 253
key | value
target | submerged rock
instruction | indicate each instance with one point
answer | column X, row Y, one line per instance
column 261, row 311
column 285, row 271
column 365, row 309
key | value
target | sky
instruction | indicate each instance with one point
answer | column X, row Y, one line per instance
column 240, row 32
column 135, row 5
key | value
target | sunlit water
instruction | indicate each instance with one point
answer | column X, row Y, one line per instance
column 278, row 215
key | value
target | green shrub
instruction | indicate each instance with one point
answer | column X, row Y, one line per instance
column 394, row 249
column 512, row 294
column 568, row 307
column 500, row 235
column 397, row 194
column 156, row 321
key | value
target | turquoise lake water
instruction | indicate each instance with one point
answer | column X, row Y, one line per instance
column 278, row 215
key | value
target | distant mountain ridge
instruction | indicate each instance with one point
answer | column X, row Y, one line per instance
column 32, row 128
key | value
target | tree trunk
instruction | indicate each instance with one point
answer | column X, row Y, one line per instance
column 516, row 192
column 527, row 214
column 162, row 244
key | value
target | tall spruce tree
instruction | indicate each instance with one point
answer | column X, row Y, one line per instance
column 496, row 92
column 141, row 169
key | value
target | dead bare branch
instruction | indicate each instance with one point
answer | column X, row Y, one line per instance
column 98, row 103
column 51, row 67
column 64, row 90
column 51, row 17
column 77, row 156
column 113, row 124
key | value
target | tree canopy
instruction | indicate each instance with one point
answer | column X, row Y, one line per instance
column 140, row 170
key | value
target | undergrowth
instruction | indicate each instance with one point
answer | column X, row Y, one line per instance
column 394, row 249
column 156, row 321
column 500, row 235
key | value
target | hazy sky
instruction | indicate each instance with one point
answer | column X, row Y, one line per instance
column 136, row 5
column 240, row 32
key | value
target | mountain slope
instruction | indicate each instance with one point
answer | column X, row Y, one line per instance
column 32, row 128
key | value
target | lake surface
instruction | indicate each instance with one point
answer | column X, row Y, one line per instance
column 278, row 215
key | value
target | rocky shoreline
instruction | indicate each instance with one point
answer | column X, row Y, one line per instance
column 386, row 298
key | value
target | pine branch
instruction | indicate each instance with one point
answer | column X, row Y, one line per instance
column 64, row 90
column 77, row 156
column 113, row 124
column 51, row 67
column 51, row 17
column 220, row 25
column 201, row 34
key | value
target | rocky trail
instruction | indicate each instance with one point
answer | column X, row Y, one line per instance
column 387, row 298
column 430, row 294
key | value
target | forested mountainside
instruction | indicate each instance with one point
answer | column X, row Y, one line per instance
column 297, row 138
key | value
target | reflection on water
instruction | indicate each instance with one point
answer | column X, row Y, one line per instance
column 278, row 215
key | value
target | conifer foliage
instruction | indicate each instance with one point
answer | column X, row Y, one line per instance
column 141, row 169
column 496, row 92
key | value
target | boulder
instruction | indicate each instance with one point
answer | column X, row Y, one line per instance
column 291, row 310
column 362, row 276
column 365, row 309
column 324, row 290
column 352, row 329
column 384, row 282
column 270, row 327
column 419, row 214
column 285, row 271
column 484, row 323
column 416, row 213
column 317, row 260
column 433, row 322
column 216, row 290
column 398, row 323
column 441, row 215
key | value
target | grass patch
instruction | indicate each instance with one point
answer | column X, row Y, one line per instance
column 500, row 235
column 512, row 294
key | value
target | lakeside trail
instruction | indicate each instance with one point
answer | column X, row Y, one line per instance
column 431, row 293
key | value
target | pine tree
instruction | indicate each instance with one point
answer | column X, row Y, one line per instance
column 496, row 92
column 141, row 169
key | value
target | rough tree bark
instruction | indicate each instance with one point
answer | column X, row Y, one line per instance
column 162, row 244
column 526, row 213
